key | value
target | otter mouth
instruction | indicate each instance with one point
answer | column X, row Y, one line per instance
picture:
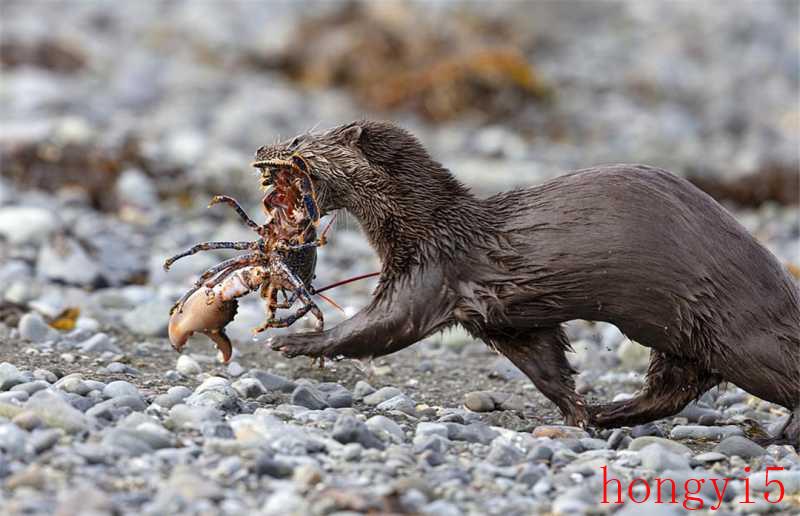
column 287, row 185
column 272, row 169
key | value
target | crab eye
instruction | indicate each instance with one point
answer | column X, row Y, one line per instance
column 300, row 163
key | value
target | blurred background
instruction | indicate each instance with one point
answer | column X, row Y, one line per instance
column 120, row 120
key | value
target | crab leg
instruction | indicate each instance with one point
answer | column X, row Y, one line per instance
column 233, row 203
column 208, row 246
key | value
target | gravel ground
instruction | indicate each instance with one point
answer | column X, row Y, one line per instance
column 104, row 418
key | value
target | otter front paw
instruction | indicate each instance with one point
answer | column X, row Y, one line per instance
column 296, row 345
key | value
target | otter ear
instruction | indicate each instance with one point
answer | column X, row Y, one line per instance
column 351, row 135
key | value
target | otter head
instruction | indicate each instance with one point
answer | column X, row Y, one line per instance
column 332, row 160
column 380, row 173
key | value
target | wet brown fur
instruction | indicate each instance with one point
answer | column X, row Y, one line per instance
column 628, row 244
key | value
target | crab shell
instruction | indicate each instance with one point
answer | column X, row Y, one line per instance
column 210, row 319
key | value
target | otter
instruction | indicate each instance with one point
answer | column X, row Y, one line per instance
column 632, row 245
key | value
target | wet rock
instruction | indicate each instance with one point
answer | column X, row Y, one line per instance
column 32, row 327
column 307, row 397
column 740, row 446
column 348, row 429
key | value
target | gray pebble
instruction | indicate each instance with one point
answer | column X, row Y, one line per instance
column 10, row 376
column 381, row 395
column 217, row 430
column 337, row 396
column 272, row 382
column 32, row 327
column 308, row 397
column 27, row 420
column 401, row 403
column 12, row 440
column 362, row 389
column 45, row 375
column 173, row 396
column 740, row 446
column 121, row 388
column 98, row 344
column 504, row 454
column 434, row 443
column 479, row 401
column 188, row 366
column 149, row 318
column 709, row 457
column 474, row 433
column 675, row 447
column 659, row 458
column 43, row 440
column 249, row 388
column 266, row 465
column 185, row 416
column 384, row 427
column 704, row 432
column 425, row 429
column 115, row 408
column 235, row 369
column 56, row 412
column 348, row 429
column 541, row 453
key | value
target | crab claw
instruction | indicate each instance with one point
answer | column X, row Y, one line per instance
column 210, row 319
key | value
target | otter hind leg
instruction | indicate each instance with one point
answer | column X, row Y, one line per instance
column 670, row 385
column 540, row 355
